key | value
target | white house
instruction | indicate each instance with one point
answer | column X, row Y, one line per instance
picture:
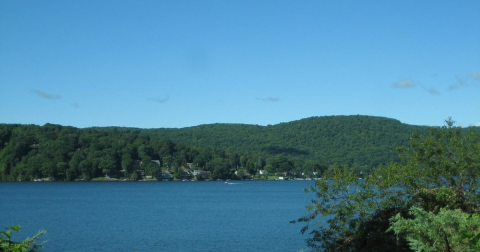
column 262, row 172
column 200, row 172
column 197, row 172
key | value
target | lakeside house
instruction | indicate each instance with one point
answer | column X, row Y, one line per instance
column 201, row 174
column 263, row 172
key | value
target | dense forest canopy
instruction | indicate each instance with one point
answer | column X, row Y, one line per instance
column 357, row 141
column 309, row 145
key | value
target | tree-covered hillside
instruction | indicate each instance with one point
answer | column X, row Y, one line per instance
column 28, row 152
column 357, row 141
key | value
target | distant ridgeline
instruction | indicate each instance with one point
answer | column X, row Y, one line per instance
column 29, row 152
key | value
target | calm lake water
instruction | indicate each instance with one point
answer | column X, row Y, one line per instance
column 158, row 216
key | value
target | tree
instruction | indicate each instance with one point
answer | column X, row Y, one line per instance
column 74, row 164
column 107, row 165
column 448, row 230
column 167, row 161
column 62, row 169
column 279, row 163
column 48, row 168
column 127, row 164
column 439, row 169
column 134, row 176
column 86, row 168
column 28, row 245
column 315, row 166
column 219, row 169
column 260, row 163
column 155, row 171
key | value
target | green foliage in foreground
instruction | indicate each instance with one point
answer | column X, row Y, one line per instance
column 439, row 173
column 449, row 230
column 28, row 245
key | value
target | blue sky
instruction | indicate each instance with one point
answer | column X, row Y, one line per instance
column 173, row 64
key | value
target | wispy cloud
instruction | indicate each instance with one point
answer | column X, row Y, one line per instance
column 464, row 82
column 269, row 99
column 46, row 95
column 159, row 100
column 432, row 91
column 461, row 82
column 477, row 124
column 409, row 83
column 75, row 105
column 406, row 83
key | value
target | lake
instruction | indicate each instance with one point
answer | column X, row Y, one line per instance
column 158, row 216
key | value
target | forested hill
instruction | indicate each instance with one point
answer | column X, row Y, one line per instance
column 352, row 140
column 311, row 144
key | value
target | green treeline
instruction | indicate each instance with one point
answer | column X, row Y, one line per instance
column 309, row 145
column 361, row 142
column 66, row 153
